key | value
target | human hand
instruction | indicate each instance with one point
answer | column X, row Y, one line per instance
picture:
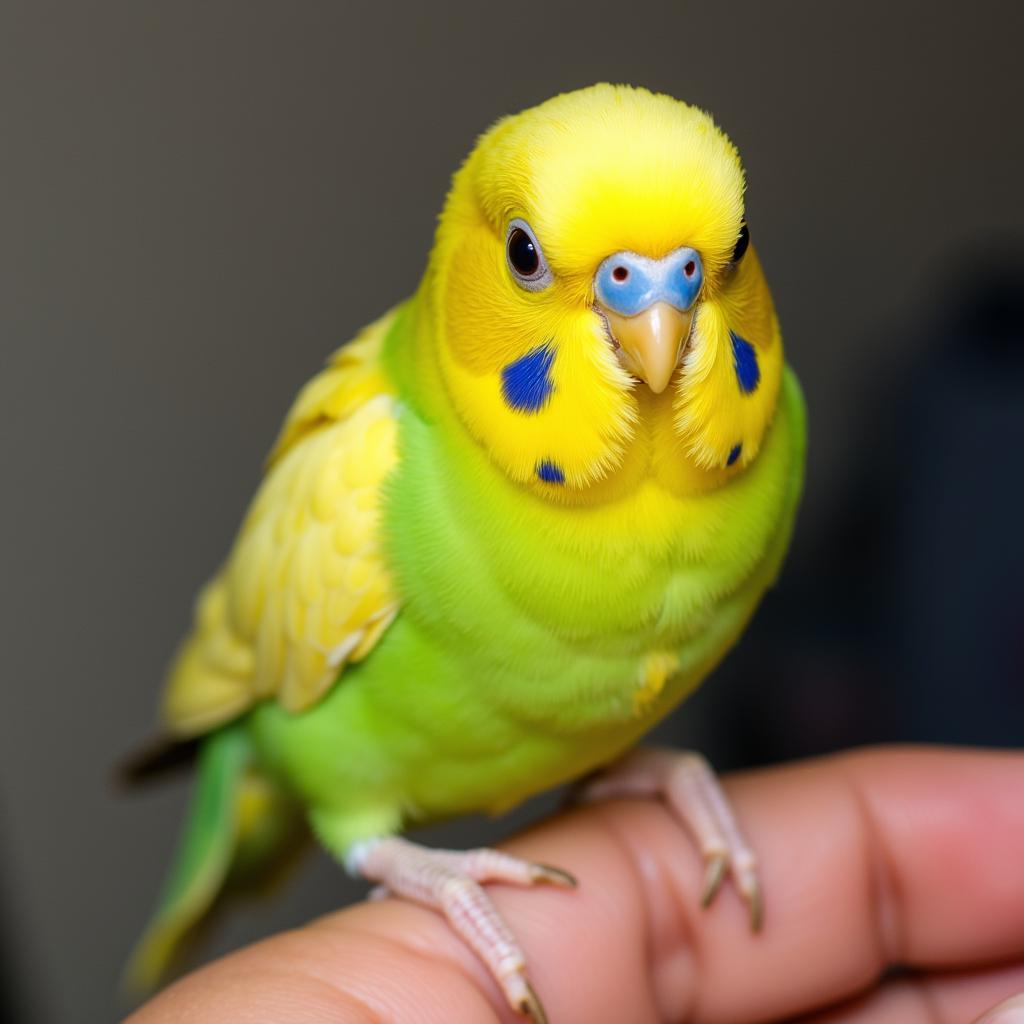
column 911, row 857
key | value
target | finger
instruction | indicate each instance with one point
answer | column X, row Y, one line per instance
column 929, row 999
column 385, row 961
column 909, row 856
column 1010, row 1011
column 874, row 858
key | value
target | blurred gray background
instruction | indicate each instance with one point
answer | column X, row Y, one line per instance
column 199, row 202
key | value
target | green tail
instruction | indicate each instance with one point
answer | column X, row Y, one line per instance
column 238, row 828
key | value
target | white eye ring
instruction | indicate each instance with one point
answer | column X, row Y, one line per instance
column 525, row 257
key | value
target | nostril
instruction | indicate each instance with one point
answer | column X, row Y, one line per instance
column 620, row 273
column 690, row 268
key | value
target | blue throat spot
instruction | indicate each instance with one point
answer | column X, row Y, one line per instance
column 744, row 360
column 550, row 472
column 734, row 454
column 525, row 384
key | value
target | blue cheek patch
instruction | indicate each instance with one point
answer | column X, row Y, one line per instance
column 734, row 454
column 525, row 384
column 744, row 359
column 550, row 472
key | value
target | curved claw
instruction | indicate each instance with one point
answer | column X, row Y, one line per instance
column 531, row 1007
column 755, row 904
column 690, row 788
column 714, row 875
column 551, row 875
column 452, row 882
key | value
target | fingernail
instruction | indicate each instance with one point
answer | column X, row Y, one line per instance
column 1010, row 1012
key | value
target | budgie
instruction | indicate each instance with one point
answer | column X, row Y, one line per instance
column 506, row 529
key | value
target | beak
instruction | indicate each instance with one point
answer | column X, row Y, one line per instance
column 651, row 342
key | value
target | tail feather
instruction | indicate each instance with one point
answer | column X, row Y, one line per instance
column 156, row 759
column 202, row 861
column 242, row 833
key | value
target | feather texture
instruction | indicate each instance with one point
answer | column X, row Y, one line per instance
column 305, row 590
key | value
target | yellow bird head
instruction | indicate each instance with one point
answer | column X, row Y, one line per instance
column 592, row 270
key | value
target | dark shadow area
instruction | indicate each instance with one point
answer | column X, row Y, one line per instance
column 19, row 1000
column 12, row 1006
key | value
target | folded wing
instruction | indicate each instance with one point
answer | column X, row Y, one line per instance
column 305, row 590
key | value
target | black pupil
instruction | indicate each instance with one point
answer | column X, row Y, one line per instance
column 522, row 253
column 741, row 243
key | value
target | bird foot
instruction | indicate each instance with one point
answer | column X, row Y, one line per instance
column 450, row 881
column 692, row 791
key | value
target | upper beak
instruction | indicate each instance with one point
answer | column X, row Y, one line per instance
column 651, row 342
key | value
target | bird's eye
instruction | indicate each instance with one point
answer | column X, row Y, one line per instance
column 522, row 253
column 525, row 259
column 741, row 244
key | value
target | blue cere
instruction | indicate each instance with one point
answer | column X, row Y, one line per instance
column 550, row 472
column 734, row 454
column 525, row 383
column 627, row 283
column 744, row 359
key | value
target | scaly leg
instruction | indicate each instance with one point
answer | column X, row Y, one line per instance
column 689, row 786
column 449, row 881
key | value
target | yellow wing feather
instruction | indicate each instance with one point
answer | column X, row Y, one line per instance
column 305, row 590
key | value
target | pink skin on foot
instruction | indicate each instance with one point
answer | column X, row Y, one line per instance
column 450, row 881
column 692, row 791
